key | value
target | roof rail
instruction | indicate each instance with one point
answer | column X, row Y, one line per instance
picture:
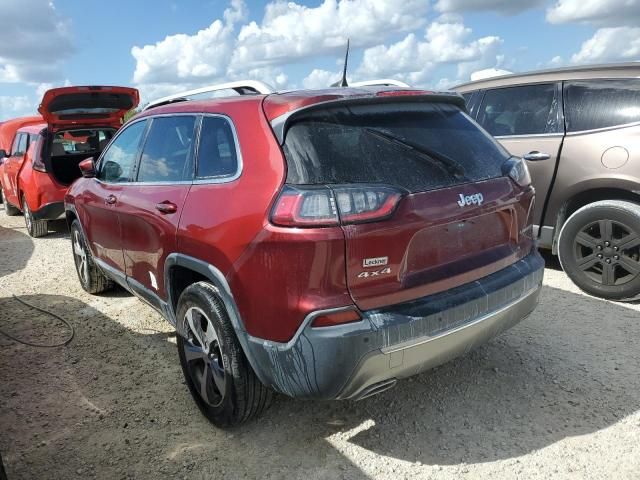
column 241, row 87
column 384, row 82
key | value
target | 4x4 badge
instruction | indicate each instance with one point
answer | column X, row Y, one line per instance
column 375, row 273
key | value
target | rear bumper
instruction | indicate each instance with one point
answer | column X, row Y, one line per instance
column 50, row 211
column 355, row 360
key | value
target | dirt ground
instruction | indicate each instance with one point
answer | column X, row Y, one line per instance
column 556, row 397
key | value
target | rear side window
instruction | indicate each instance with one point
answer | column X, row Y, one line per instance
column 217, row 156
column 415, row 146
column 168, row 150
column 601, row 103
column 525, row 110
column 117, row 162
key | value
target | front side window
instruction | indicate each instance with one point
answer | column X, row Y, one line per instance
column 117, row 162
column 168, row 150
column 593, row 104
column 20, row 144
column 217, row 155
column 525, row 110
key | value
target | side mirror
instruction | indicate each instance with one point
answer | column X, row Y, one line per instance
column 3, row 154
column 87, row 168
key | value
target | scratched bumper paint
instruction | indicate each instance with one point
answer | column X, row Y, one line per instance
column 346, row 361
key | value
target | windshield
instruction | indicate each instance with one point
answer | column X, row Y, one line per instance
column 417, row 146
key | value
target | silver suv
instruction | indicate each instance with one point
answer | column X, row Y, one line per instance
column 579, row 130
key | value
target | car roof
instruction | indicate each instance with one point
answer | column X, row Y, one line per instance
column 9, row 128
column 35, row 128
column 282, row 103
column 614, row 70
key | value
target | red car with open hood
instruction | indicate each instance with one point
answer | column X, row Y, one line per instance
column 42, row 160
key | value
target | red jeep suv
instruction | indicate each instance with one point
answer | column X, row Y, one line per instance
column 320, row 244
column 77, row 122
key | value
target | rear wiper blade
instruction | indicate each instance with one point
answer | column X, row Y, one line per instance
column 440, row 160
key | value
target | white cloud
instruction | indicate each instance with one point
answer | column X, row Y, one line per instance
column 610, row 44
column 445, row 42
column 412, row 59
column 556, row 61
column 291, row 31
column 36, row 41
column 187, row 58
column 320, row 79
column 602, row 12
column 505, row 7
column 488, row 73
column 227, row 50
column 18, row 106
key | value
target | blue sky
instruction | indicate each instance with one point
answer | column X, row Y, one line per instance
column 166, row 46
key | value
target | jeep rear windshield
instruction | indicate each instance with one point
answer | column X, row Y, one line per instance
column 415, row 146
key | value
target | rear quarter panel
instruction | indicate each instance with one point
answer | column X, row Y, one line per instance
column 608, row 158
column 223, row 223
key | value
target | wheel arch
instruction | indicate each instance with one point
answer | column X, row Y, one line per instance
column 585, row 197
column 179, row 270
column 70, row 215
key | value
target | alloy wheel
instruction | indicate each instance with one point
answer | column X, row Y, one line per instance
column 27, row 214
column 203, row 355
column 608, row 252
column 80, row 257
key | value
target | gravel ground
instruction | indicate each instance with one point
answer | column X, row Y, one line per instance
column 558, row 396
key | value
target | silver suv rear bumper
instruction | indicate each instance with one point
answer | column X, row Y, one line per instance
column 356, row 360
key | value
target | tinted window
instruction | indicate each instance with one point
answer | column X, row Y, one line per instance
column 601, row 103
column 20, row 144
column 167, row 152
column 217, row 150
column 117, row 162
column 526, row 110
column 416, row 146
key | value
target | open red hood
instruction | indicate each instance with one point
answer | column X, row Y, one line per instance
column 71, row 106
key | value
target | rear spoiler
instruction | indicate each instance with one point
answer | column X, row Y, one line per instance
column 280, row 123
column 384, row 82
column 242, row 87
column 254, row 87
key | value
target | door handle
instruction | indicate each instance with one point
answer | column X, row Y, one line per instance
column 110, row 200
column 166, row 207
column 536, row 156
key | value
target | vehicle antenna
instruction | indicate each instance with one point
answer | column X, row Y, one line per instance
column 343, row 80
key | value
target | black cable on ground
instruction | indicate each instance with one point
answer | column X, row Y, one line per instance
column 47, row 312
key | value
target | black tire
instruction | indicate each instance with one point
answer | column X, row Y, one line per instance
column 233, row 392
column 91, row 277
column 9, row 209
column 36, row 228
column 599, row 249
column 3, row 474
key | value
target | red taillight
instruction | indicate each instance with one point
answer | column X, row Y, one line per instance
column 305, row 207
column 337, row 318
column 36, row 159
column 332, row 206
column 365, row 204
